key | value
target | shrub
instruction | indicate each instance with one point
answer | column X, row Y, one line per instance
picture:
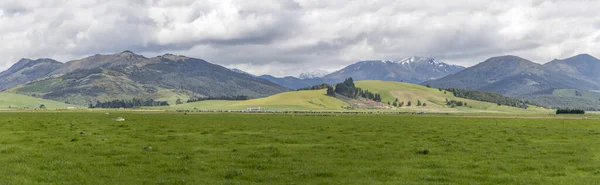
column 423, row 151
column 570, row 111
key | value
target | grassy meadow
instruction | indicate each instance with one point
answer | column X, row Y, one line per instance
column 151, row 148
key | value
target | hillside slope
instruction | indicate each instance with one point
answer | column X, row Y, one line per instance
column 569, row 98
column 295, row 100
column 17, row 101
column 512, row 76
column 26, row 70
column 583, row 67
column 434, row 98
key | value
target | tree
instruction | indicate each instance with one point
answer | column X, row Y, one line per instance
column 178, row 102
column 419, row 103
column 330, row 91
column 424, row 104
column 428, row 86
column 409, row 104
column 42, row 106
column 346, row 88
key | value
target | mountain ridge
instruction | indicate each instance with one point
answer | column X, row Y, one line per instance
column 411, row 69
column 127, row 75
column 26, row 70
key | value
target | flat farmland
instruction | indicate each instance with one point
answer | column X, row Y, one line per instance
column 163, row 148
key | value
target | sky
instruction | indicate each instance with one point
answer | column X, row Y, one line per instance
column 288, row 37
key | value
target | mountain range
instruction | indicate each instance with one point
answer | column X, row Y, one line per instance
column 412, row 70
column 127, row 75
column 517, row 77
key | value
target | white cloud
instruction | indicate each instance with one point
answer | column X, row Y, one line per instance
column 286, row 37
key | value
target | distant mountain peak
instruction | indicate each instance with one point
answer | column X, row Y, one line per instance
column 416, row 59
column 584, row 56
column 24, row 59
column 28, row 61
column 173, row 57
column 128, row 53
column 318, row 73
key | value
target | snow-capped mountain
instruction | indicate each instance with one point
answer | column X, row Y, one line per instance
column 313, row 74
column 428, row 62
column 411, row 69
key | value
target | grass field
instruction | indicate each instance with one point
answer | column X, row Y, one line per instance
column 295, row 100
column 435, row 99
column 17, row 101
column 47, row 148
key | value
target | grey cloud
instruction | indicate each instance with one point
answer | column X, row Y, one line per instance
column 285, row 37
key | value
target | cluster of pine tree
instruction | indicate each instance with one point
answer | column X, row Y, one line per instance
column 348, row 89
column 197, row 99
column 133, row 103
column 369, row 95
column 570, row 111
column 454, row 103
column 315, row 87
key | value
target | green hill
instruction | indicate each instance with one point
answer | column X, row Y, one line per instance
column 17, row 101
column 296, row 100
column 318, row 100
column 434, row 98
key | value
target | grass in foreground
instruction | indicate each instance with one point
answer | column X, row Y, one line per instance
column 47, row 148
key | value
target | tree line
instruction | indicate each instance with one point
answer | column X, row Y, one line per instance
column 133, row 103
column 454, row 103
column 315, row 87
column 488, row 97
column 398, row 103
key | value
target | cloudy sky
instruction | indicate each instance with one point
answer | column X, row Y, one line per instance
column 286, row 37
